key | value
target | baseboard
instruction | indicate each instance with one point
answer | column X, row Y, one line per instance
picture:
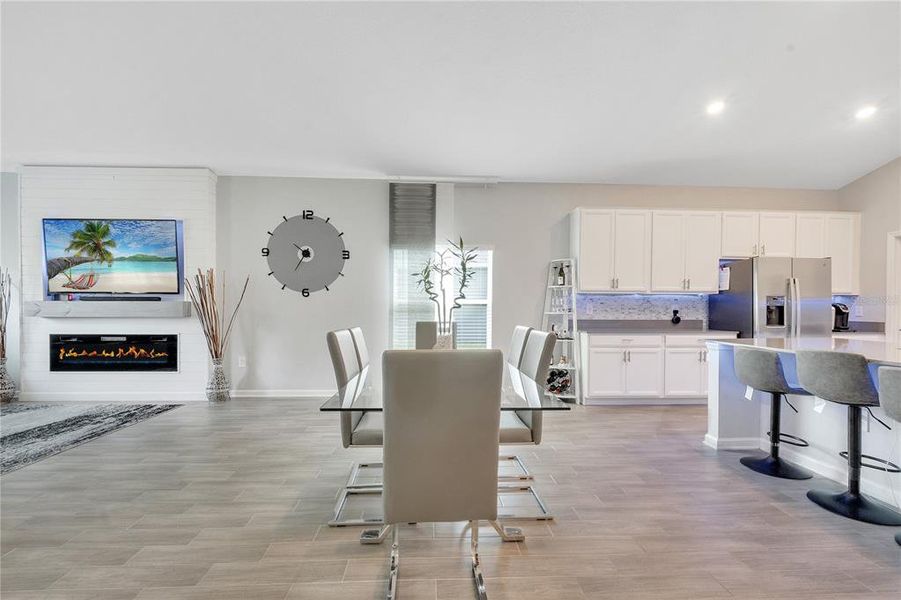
column 282, row 393
column 745, row 443
column 143, row 397
column 645, row 401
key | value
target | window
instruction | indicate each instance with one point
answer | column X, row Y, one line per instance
column 473, row 318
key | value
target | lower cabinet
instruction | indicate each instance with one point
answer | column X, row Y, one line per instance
column 646, row 366
column 623, row 371
column 686, row 372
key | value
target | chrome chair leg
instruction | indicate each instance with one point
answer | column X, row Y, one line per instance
column 524, row 476
column 477, row 577
column 342, row 500
column 505, row 513
column 393, row 567
column 508, row 534
column 355, row 472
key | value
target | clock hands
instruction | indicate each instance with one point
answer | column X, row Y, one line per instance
column 298, row 264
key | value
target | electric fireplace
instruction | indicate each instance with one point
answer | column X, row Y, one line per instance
column 114, row 352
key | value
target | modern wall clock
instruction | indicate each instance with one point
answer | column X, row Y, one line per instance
column 306, row 253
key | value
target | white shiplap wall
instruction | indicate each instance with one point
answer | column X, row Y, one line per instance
column 188, row 195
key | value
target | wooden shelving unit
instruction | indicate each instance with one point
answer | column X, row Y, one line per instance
column 560, row 316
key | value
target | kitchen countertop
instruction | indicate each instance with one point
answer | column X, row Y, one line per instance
column 874, row 351
column 686, row 332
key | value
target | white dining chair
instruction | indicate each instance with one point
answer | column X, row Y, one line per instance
column 524, row 427
column 350, row 357
column 440, row 407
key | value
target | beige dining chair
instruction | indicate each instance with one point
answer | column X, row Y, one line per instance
column 350, row 357
column 524, row 427
column 440, row 407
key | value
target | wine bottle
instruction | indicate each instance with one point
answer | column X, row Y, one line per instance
column 561, row 276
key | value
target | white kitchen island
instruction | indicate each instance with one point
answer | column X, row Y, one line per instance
column 736, row 423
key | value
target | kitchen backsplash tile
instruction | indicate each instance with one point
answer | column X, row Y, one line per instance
column 640, row 307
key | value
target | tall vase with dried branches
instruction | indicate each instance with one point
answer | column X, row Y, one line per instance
column 209, row 304
column 444, row 279
column 7, row 385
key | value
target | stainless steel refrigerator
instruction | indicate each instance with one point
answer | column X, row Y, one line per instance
column 774, row 297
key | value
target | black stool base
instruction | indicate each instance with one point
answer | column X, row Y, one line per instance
column 857, row 507
column 775, row 467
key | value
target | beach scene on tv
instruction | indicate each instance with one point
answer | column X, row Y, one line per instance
column 115, row 256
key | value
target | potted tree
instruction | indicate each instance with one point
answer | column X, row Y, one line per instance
column 444, row 278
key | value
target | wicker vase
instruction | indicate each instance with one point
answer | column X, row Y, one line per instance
column 217, row 387
column 7, row 385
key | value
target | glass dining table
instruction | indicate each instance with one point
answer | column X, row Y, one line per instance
column 520, row 393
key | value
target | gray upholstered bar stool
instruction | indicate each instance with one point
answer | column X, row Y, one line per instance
column 844, row 378
column 762, row 370
column 890, row 399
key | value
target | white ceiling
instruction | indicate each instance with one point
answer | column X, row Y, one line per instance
column 594, row 92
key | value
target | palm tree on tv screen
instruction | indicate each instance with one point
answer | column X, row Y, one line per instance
column 93, row 240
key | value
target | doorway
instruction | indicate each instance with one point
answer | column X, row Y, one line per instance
column 893, row 290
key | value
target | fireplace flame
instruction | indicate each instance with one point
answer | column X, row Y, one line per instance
column 132, row 352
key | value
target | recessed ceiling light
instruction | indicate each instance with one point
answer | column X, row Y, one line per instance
column 716, row 107
column 865, row 112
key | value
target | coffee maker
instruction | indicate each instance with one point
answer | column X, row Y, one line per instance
column 840, row 316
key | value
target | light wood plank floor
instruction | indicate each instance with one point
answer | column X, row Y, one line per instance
column 229, row 502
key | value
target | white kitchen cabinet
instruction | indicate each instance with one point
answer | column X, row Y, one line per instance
column 644, row 371
column 668, row 251
column 613, row 248
column 810, row 235
column 843, row 247
column 740, row 232
column 606, row 372
column 777, row 234
column 685, row 251
column 632, row 256
column 702, row 251
column 685, row 374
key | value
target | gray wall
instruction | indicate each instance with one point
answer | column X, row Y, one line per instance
column 281, row 333
column 9, row 258
column 528, row 226
column 877, row 196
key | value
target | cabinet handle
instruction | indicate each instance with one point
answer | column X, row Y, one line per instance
column 754, row 251
column 700, row 356
column 688, row 287
column 624, row 356
column 628, row 356
column 763, row 249
column 613, row 283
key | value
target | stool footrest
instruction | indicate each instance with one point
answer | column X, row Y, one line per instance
column 791, row 440
column 876, row 463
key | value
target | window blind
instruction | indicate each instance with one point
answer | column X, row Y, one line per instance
column 411, row 237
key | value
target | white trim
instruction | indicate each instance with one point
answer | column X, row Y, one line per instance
column 740, row 443
column 296, row 393
column 651, row 401
column 144, row 397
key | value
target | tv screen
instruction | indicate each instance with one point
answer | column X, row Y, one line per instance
column 114, row 256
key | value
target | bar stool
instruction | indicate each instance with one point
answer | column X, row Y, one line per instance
column 844, row 378
column 890, row 399
column 762, row 370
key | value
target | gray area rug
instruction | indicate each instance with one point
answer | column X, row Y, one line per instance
column 31, row 431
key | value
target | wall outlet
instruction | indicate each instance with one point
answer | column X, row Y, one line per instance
column 242, row 362
column 858, row 309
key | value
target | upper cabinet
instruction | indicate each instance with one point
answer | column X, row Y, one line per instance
column 685, row 251
column 678, row 251
column 843, row 247
column 777, row 234
column 613, row 248
column 740, row 234
column 810, row 235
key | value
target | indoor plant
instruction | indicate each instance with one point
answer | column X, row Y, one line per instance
column 7, row 385
column 444, row 278
column 211, row 312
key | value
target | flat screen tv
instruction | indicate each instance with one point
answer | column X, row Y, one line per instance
column 112, row 256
